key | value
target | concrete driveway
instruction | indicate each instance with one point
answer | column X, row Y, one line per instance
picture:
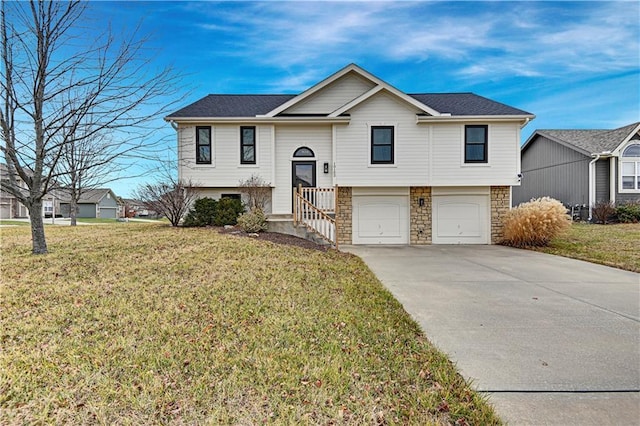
column 551, row 340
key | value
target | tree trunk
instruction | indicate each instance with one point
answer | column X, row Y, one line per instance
column 39, row 243
column 73, row 210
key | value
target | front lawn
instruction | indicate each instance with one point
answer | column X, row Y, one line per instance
column 9, row 222
column 150, row 324
column 616, row 245
column 95, row 220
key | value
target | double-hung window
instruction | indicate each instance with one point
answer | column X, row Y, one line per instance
column 203, row 145
column 247, row 145
column 476, row 143
column 630, row 168
column 382, row 140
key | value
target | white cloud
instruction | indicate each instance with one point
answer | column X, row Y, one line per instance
column 486, row 40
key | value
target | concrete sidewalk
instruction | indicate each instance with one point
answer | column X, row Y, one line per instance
column 551, row 340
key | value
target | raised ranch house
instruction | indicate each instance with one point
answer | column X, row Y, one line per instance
column 376, row 165
column 582, row 167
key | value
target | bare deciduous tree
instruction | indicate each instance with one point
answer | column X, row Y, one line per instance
column 257, row 190
column 169, row 197
column 60, row 90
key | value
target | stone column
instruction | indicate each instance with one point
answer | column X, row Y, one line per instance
column 344, row 215
column 420, row 216
column 500, row 205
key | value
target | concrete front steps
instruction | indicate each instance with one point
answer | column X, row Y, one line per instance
column 283, row 223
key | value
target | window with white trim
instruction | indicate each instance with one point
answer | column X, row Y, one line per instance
column 203, row 145
column 247, row 145
column 382, row 141
column 476, row 143
column 630, row 169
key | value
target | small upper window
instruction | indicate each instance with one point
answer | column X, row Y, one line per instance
column 303, row 152
column 630, row 168
column 382, row 140
column 475, row 144
column 632, row 151
column 203, row 145
column 247, row 145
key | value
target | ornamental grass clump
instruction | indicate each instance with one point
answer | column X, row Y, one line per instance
column 535, row 223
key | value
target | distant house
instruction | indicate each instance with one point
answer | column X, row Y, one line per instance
column 136, row 208
column 95, row 203
column 581, row 167
column 11, row 208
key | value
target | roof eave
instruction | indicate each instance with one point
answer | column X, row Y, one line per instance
column 258, row 119
column 474, row 118
column 618, row 148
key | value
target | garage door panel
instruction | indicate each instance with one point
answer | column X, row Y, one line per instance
column 380, row 220
column 460, row 219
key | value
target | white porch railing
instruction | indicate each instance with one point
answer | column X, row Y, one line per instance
column 312, row 207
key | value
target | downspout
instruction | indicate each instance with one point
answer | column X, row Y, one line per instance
column 592, row 183
column 612, row 179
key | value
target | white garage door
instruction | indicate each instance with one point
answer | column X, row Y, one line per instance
column 461, row 219
column 381, row 219
column 5, row 211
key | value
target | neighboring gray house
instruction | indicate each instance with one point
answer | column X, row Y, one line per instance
column 98, row 203
column 581, row 167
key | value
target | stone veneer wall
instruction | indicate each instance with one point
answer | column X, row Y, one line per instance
column 420, row 217
column 500, row 205
column 344, row 214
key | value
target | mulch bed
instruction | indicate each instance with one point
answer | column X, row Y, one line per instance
column 275, row 237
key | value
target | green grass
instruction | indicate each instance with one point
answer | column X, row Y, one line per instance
column 97, row 220
column 150, row 324
column 616, row 245
column 13, row 222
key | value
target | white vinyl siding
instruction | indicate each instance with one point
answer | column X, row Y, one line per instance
column 225, row 170
column 288, row 139
column 449, row 168
column 332, row 97
column 353, row 167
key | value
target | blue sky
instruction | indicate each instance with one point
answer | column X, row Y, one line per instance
column 572, row 64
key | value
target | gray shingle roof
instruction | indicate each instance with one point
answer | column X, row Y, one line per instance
column 252, row 105
column 90, row 196
column 466, row 104
column 590, row 141
column 232, row 106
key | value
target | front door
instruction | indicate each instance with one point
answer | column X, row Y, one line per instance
column 303, row 173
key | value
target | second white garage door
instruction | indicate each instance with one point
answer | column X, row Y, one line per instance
column 380, row 219
column 460, row 219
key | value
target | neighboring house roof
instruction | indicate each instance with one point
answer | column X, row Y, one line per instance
column 245, row 106
column 590, row 141
column 93, row 196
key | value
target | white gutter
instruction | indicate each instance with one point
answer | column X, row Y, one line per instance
column 173, row 124
column 592, row 183
column 270, row 120
column 473, row 118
